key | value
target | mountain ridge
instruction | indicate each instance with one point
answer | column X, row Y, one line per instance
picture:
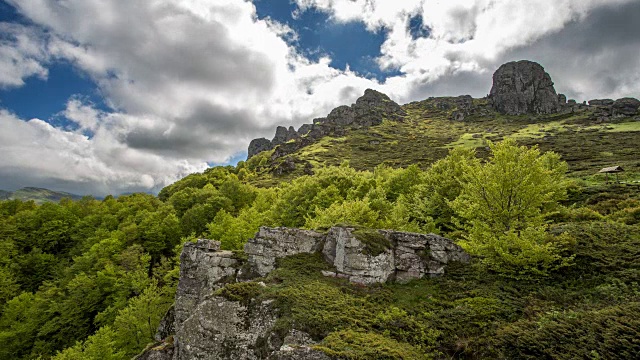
column 37, row 194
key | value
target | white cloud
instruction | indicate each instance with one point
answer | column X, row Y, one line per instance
column 34, row 153
column 22, row 55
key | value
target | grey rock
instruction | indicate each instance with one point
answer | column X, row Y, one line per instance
column 369, row 110
column 257, row 146
column 562, row 99
column 601, row 102
column 203, row 269
column 417, row 255
column 283, row 135
column 347, row 254
column 270, row 244
column 412, row 256
column 304, row 129
column 222, row 329
column 626, row 107
column 206, row 326
column 523, row 87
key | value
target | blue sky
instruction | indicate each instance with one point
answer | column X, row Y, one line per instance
column 100, row 97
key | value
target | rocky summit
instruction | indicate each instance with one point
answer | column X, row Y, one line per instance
column 523, row 87
column 204, row 324
column 369, row 110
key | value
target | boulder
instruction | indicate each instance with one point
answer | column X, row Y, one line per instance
column 257, row 146
column 283, row 135
column 349, row 255
column 601, row 102
column 270, row 244
column 203, row 268
column 625, row 107
column 304, row 129
column 562, row 99
column 523, row 87
column 223, row 329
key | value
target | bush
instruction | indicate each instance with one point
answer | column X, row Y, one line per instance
column 359, row 345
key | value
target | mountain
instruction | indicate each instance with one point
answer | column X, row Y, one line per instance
column 39, row 195
column 522, row 105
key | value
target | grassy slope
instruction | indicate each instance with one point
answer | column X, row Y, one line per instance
column 428, row 134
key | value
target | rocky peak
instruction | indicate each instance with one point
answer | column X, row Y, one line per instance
column 523, row 87
column 369, row 110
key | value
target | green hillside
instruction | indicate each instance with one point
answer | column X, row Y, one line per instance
column 555, row 247
column 428, row 133
column 40, row 195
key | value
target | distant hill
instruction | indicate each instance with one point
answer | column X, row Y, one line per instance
column 39, row 195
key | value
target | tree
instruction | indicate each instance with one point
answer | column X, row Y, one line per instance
column 503, row 203
column 429, row 202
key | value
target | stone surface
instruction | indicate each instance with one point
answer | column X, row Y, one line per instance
column 203, row 269
column 412, row 256
column 257, row 146
column 347, row 254
column 286, row 167
column 283, row 135
column 601, row 102
column 523, row 87
column 222, row 329
column 270, row 244
column 625, row 107
column 417, row 255
column 562, row 99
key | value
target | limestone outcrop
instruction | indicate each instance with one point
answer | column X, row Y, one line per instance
column 523, row 87
column 203, row 324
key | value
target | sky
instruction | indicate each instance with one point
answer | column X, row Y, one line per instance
column 109, row 97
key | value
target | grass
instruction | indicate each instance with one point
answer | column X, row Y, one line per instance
column 374, row 242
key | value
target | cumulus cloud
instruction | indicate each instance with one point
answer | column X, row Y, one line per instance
column 193, row 81
column 34, row 153
column 22, row 54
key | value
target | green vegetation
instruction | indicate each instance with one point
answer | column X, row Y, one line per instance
column 374, row 242
column 556, row 248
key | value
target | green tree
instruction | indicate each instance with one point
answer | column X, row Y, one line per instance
column 429, row 201
column 504, row 202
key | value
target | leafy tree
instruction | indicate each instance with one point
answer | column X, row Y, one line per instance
column 429, row 201
column 504, row 202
